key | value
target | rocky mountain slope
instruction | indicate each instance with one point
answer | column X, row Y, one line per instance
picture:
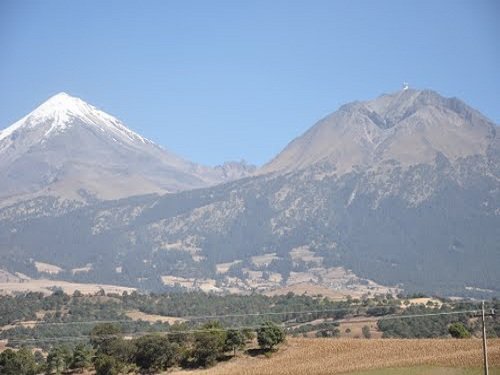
column 409, row 127
column 69, row 149
column 402, row 191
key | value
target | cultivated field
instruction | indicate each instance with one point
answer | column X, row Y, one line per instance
column 427, row 370
column 46, row 286
column 365, row 357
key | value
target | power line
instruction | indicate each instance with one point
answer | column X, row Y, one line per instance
column 180, row 332
column 213, row 316
column 193, row 317
column 392, row 317
column 141, row 333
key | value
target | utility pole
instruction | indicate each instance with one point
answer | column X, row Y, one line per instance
column 485, row 349
column 482, row 315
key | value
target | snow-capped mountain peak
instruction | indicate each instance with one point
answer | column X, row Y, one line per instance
column 67, row 146
column 62, row 111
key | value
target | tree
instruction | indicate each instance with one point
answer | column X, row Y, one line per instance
column 248, row 334
column 82, row 357
column 103, row 334
column 234, row 340
column 113, row 352
column 39, row 360
column 269, row 335
column 155, row 353
column 366, row 332
column 58, row 359
column 327, row 332
column 106, row 365
column 458, row 331
column 208, row 344
column 21, row 362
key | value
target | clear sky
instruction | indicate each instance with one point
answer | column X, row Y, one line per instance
column 225, row 80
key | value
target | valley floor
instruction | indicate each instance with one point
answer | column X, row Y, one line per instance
column 365, row 357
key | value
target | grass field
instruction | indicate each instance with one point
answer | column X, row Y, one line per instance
column 427, row 370
column 365, row 357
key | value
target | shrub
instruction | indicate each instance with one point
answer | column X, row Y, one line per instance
column 208, row 344
column 269, row 335
column 155, row 353
column 106, row 365
column 366, row 332
column 458, row 331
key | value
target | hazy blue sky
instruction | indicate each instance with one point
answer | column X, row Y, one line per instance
column 220, row 80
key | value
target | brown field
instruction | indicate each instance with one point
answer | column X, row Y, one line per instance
column 356, row 328
column 423, row 301
column 339, row 356
column 138, row 315
column 45, row 286
column 312, row 290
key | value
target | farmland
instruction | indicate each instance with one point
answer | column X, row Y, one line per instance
column 198, row 333
column 365, row 357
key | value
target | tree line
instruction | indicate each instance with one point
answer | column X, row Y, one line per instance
column 110, row 352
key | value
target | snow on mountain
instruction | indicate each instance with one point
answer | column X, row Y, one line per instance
column 62, row 109
column 68, row 148
column 402, row 190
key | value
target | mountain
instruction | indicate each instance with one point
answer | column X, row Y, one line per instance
column 69, row 149
column 410, row 127
column 400, row 191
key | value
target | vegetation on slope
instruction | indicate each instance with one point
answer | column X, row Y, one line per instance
column 78, row 331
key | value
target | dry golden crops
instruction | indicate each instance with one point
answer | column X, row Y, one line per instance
column 337, row 356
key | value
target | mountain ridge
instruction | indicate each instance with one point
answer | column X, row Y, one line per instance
column 361, row 134
column 422, row 217
column 66, row 146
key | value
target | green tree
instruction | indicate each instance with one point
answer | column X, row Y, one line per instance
column 366, row 332
column 327, row 332
column 21, row 362
column 58, row 359
column 234, row 340
column 155, row 353
column 107, row 339
column 104, row 334
column 82, row 357
column 208, row 344
column 106, row 365
column 458, row 331
column 40, row 361
column 269, row 335
column 248, row 334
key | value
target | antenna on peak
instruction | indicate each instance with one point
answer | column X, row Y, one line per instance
column 406, row 86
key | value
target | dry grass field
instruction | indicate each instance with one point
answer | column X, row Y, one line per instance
column 427, row 370
column 138, row 315
column 312, row 290
column 364, row 357
column 46, row 286
column 353, row 328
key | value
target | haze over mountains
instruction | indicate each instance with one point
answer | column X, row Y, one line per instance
column 402, row 190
